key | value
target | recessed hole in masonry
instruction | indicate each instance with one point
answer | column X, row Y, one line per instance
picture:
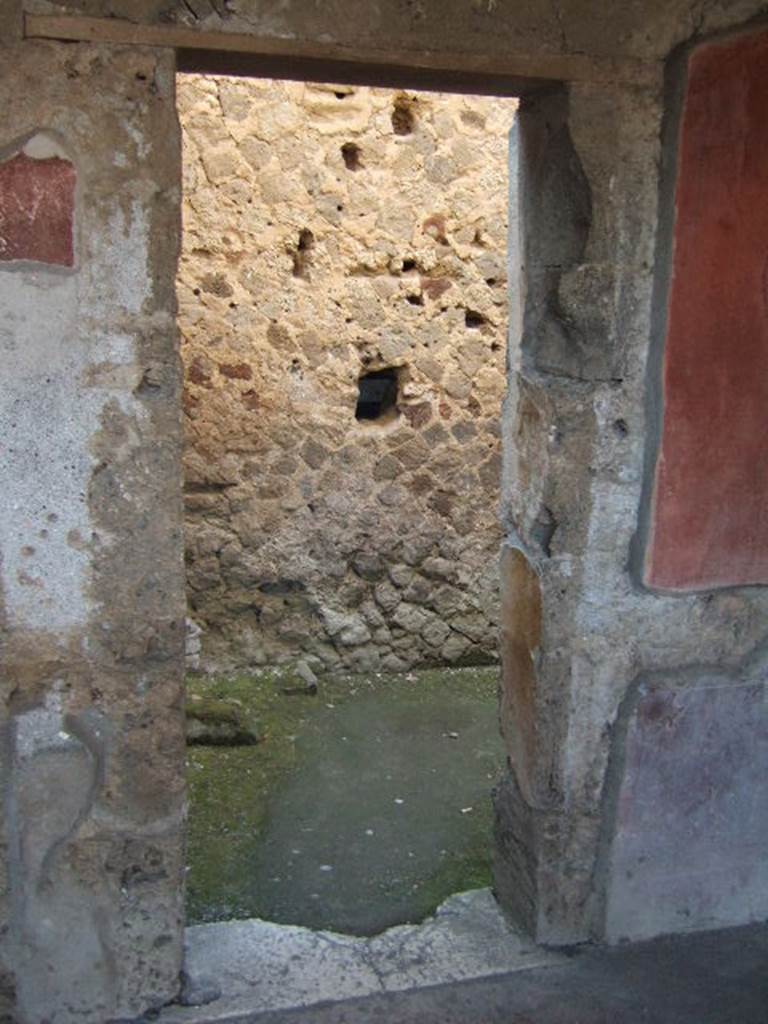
column 403, row 115
column 377, row 394
column 351, row 154
column 302, row 256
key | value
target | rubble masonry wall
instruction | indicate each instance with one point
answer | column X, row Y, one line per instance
column 330, row 232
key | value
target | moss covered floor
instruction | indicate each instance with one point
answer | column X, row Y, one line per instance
column 363, row 806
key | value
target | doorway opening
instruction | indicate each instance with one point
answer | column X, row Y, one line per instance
column 343, row 313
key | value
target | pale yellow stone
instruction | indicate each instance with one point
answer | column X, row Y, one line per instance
column 310, row 270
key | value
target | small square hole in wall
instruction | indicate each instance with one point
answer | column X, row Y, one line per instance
column 377, row 393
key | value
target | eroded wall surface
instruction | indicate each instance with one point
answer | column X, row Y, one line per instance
column 331, row 232
column 577, row 805
column 91, row 596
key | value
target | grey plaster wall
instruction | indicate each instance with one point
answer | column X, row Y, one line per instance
column 91, row 579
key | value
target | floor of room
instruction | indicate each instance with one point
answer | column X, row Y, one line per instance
column 362, row 806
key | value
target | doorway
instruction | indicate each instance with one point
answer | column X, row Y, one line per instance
column 343, row 312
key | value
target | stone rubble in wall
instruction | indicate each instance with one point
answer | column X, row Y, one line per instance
column 330, row 231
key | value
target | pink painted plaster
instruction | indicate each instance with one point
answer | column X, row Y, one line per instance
column 37, row 208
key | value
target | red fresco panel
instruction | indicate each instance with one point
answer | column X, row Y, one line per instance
column 709, row 514
column 37, row 207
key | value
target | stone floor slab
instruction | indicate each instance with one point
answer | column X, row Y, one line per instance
column 262, row 966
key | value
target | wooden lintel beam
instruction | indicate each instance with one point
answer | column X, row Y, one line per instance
column 518, row 67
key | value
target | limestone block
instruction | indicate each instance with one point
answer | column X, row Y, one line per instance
column 409, row 617
column 219, row 163
column 387, row 596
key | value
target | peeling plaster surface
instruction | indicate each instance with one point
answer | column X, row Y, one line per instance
column 46, row 461
column 41, row 728
column 49, row 414
column 91, row 584
column 67, row 369
column 125, row 289
column 43, row 146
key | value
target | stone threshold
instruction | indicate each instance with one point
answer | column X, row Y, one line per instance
column 260, row 966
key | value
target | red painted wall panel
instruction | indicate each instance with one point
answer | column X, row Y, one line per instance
column 37, row 208
column 709, row 514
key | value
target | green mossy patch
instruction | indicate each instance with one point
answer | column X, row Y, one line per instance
column 312, row 749
column 211, row 721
